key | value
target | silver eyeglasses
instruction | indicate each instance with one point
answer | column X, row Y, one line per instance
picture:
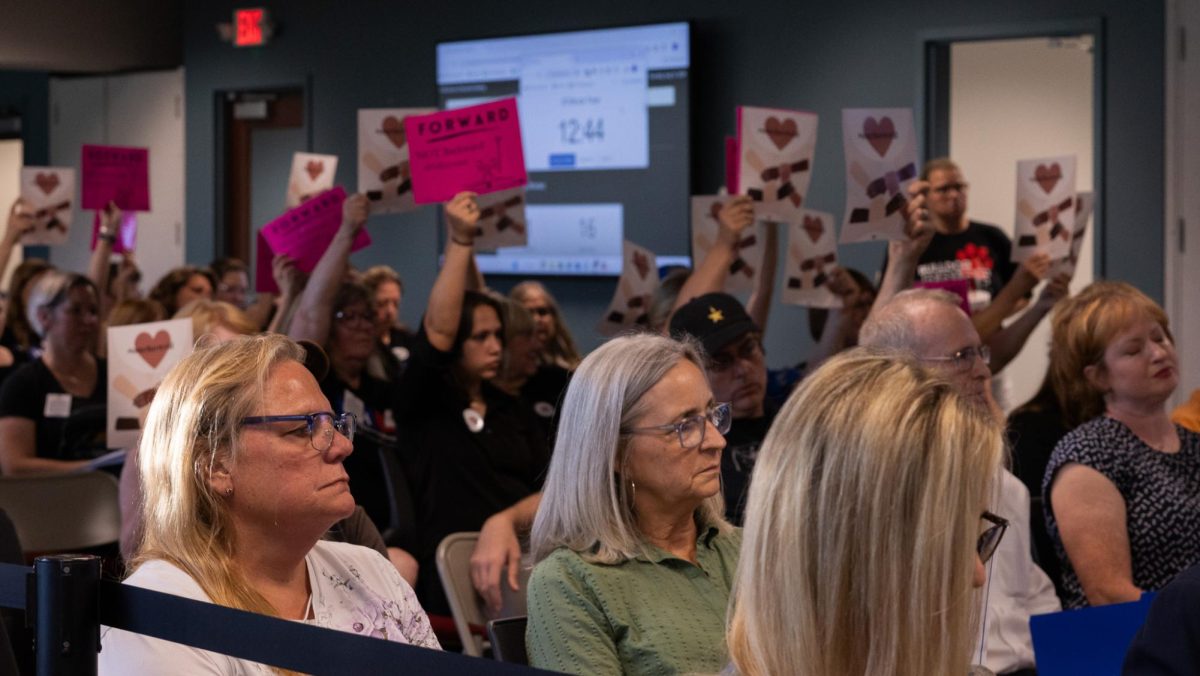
column 320, row 426
column 965, row 358
column 691, row 429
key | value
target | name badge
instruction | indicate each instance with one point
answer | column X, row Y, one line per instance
column 57, row 405
column 352, row 404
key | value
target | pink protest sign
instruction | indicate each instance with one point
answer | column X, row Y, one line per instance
column 958, row 287
column 731, row 165
column 126, row 236
column 305, row 231
column 476, row 148
column 264, row 279
column 116, row 174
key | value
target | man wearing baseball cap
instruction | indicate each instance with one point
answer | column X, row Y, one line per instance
column 737, row 372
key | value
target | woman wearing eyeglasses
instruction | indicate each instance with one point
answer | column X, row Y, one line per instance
column 634, row 558
column 241, row 460
column 866, row 531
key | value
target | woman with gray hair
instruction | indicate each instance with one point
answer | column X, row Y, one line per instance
column 634, row 559
column 52, row 410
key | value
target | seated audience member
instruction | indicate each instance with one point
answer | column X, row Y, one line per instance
column 634, row 561
column 558, row 346
column 233, row 281
column 737, row 373
column 931, row 326
column 472, row 449
column 663, row 302
column 135, row 311
column 52, row 410
column 182, row 286
column 1122, row 491
column 1187, row 414
column 219, row 319
column 242, row 464
column 395, row 342
column 123, row 282
column 538, row 386
column 866, row 528
column 19, row 336
column 1168, row 644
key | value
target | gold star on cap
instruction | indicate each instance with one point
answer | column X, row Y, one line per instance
column 715, row 315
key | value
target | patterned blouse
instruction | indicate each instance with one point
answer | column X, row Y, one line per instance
column 1162, row 499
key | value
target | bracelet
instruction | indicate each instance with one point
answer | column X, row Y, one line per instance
column 106, row 236
column 461, row 243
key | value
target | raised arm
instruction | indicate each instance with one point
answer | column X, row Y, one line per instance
column 759, row 305
column 903, row 255
column 20, row 221
column 446, row 296
column 709, row 275
column 1031, row 271
column 110, row 222
column 311, row 321
column 290, row 281
column 1006, row 343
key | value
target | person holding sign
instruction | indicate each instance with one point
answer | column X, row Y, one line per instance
column 475, row 450
column 52, row 410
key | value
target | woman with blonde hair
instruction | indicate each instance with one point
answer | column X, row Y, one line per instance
column 634, row 560
column 241, row 460
column 1122, row 489
column 863, row 527
column 222, row 320
column 558, row 346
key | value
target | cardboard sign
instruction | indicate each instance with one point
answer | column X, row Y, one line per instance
column 812, row 255
column 1045, row 207
column 635, row 291
column 139, row 357
column 880, row 146
column 383, row 166
column 775, row 155
column 743, row 272
column 476, row 148
column 501, row 220
column 1085, row 204
column 49, row 192
column 311, row 175
column 116, row 174
column 264, row 272
column 304, row 233
column 126, row 234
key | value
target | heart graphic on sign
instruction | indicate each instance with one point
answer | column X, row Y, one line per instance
column 47, row 182
column 814, row 228
column 879, row 134
column 1047, row 177
column 394, row 130
column 152, row 348
column 314, row 169
column 780, row 133
column 642, row 265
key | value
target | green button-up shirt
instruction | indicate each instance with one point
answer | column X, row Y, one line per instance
column 656, row 614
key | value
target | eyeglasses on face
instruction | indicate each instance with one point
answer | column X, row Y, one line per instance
column 989, row 540
column 320, row 425
column 351, row 316
column 748, row 349
column 951, row 187
column 964, row 359
column 691, row 429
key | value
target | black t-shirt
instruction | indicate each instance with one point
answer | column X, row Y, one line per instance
column 67, row 427
column 542, row 394
column 981, row 254
column 458, row 477
column 742, row 443
column 395, row 354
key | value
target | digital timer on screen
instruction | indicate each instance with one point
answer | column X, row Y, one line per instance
column 604, row 123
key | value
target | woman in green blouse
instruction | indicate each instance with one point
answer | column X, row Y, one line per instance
column 634, row 560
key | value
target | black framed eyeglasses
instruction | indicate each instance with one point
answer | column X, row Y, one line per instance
column 320, row 425
column 964, row 359
column 989, row 540
column 691, row 429
column 351, row 316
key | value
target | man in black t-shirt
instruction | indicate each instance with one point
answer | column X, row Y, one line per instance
column 737, row 372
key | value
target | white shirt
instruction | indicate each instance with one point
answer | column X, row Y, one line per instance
column 377, row 603
column 1016, row 587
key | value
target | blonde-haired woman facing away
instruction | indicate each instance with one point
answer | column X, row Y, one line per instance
column 865, row 527
column 242, row 466
column 634, row 560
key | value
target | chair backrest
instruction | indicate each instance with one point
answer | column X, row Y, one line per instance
column 62, row 512
column 508, row 639
column 454, row 567
column 401, row 530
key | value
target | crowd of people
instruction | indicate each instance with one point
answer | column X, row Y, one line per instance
column 665, row 503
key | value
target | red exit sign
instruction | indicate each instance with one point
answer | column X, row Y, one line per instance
column 249, row 25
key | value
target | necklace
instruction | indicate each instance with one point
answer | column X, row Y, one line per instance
column 307, row 608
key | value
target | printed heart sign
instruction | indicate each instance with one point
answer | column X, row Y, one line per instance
column 879, row 134
column 314, row 169
column 394, row 130
column 780, row 133
column 152, row 348
column 813, row 227
column 642, row 265
column 47, row 182
column 1047, row 177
